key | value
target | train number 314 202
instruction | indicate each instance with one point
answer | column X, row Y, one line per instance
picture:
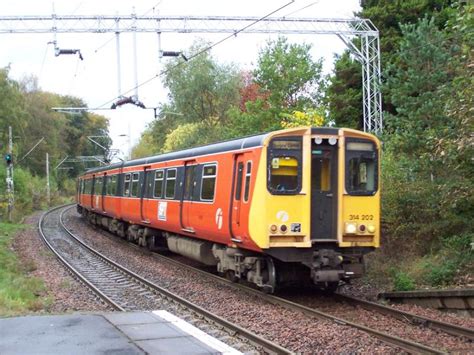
column 363, row 217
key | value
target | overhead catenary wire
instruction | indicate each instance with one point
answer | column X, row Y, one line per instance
column 192, row 56
column 303, row 8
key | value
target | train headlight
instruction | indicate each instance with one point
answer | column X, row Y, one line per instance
column 283, row 228
column 371, row 228
column 273, row 228
column 350, row 228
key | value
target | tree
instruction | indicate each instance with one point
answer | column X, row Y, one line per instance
column 201, row 92
column 415, row 84
column 344, row 95
column 345, row 86
column 201, row 88
column 291, row 77
column 286, row 84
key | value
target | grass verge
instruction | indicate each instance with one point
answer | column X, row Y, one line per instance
column 19, row 293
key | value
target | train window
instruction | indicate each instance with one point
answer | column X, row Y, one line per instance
column 170, row 183
column 86, row 187
column 238, row 187
column 321, row 171
column 284, row 174
column 98, row 186
column 134, row 188
column 112, row 185
column 248, row 174
column 158, row 189
column 208, row 186
column 284, row 165
column 126, row 185
column 361, row 168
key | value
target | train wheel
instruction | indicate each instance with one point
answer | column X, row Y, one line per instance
column 271, row 284
column 230, row 275
column 330, row 287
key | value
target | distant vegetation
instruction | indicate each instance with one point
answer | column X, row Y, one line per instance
column 27, row 109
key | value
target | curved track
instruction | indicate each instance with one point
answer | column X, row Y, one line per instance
column 124, row 290
column 408, row 318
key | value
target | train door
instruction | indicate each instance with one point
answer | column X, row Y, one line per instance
column 189, row 184
column 103, row 192
column 92, row 192
column 144, row 193
column 237, row 229
column 323, row 191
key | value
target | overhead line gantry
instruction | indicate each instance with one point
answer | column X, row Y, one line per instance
column 366, row 50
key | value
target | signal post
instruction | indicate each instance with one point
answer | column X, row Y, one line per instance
column 9, row 179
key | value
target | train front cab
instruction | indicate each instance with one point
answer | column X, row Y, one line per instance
column 321, row 202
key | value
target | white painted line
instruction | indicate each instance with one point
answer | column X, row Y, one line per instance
column 197, row 333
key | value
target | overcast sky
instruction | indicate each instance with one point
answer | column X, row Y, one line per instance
column 95, row 78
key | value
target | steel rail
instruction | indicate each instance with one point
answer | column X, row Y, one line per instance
column 255, row 339
column 68, row 266
column 406, row 316
column 404, row 344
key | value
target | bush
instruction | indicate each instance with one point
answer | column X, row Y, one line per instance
column 402, row 281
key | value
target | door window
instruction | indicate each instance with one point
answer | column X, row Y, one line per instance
column 248, row 174
column 321, row 170
column 238, row 188
column 189, row 182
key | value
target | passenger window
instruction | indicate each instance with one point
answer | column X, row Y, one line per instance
column 134, row 189
column 89, row 186
column 126, row 185
column 98, row 186
column 248, row 174
column 158, row 189
column 284, row 174
column 112, row 185
column 209, row 173
column 170, row 183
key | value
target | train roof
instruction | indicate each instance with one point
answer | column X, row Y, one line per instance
column 213, row 148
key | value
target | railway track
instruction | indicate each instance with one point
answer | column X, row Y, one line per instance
column 124, row 290
column 405, row 344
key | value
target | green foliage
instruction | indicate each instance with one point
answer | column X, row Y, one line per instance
column 455, row 254
column 18, row 292
column 289, row 74
column 201, row 88
column 289, row 81
column 210, row 102
column 402, row 281
column 344, row 95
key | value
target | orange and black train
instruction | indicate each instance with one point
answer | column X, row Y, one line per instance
column 296, row 206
